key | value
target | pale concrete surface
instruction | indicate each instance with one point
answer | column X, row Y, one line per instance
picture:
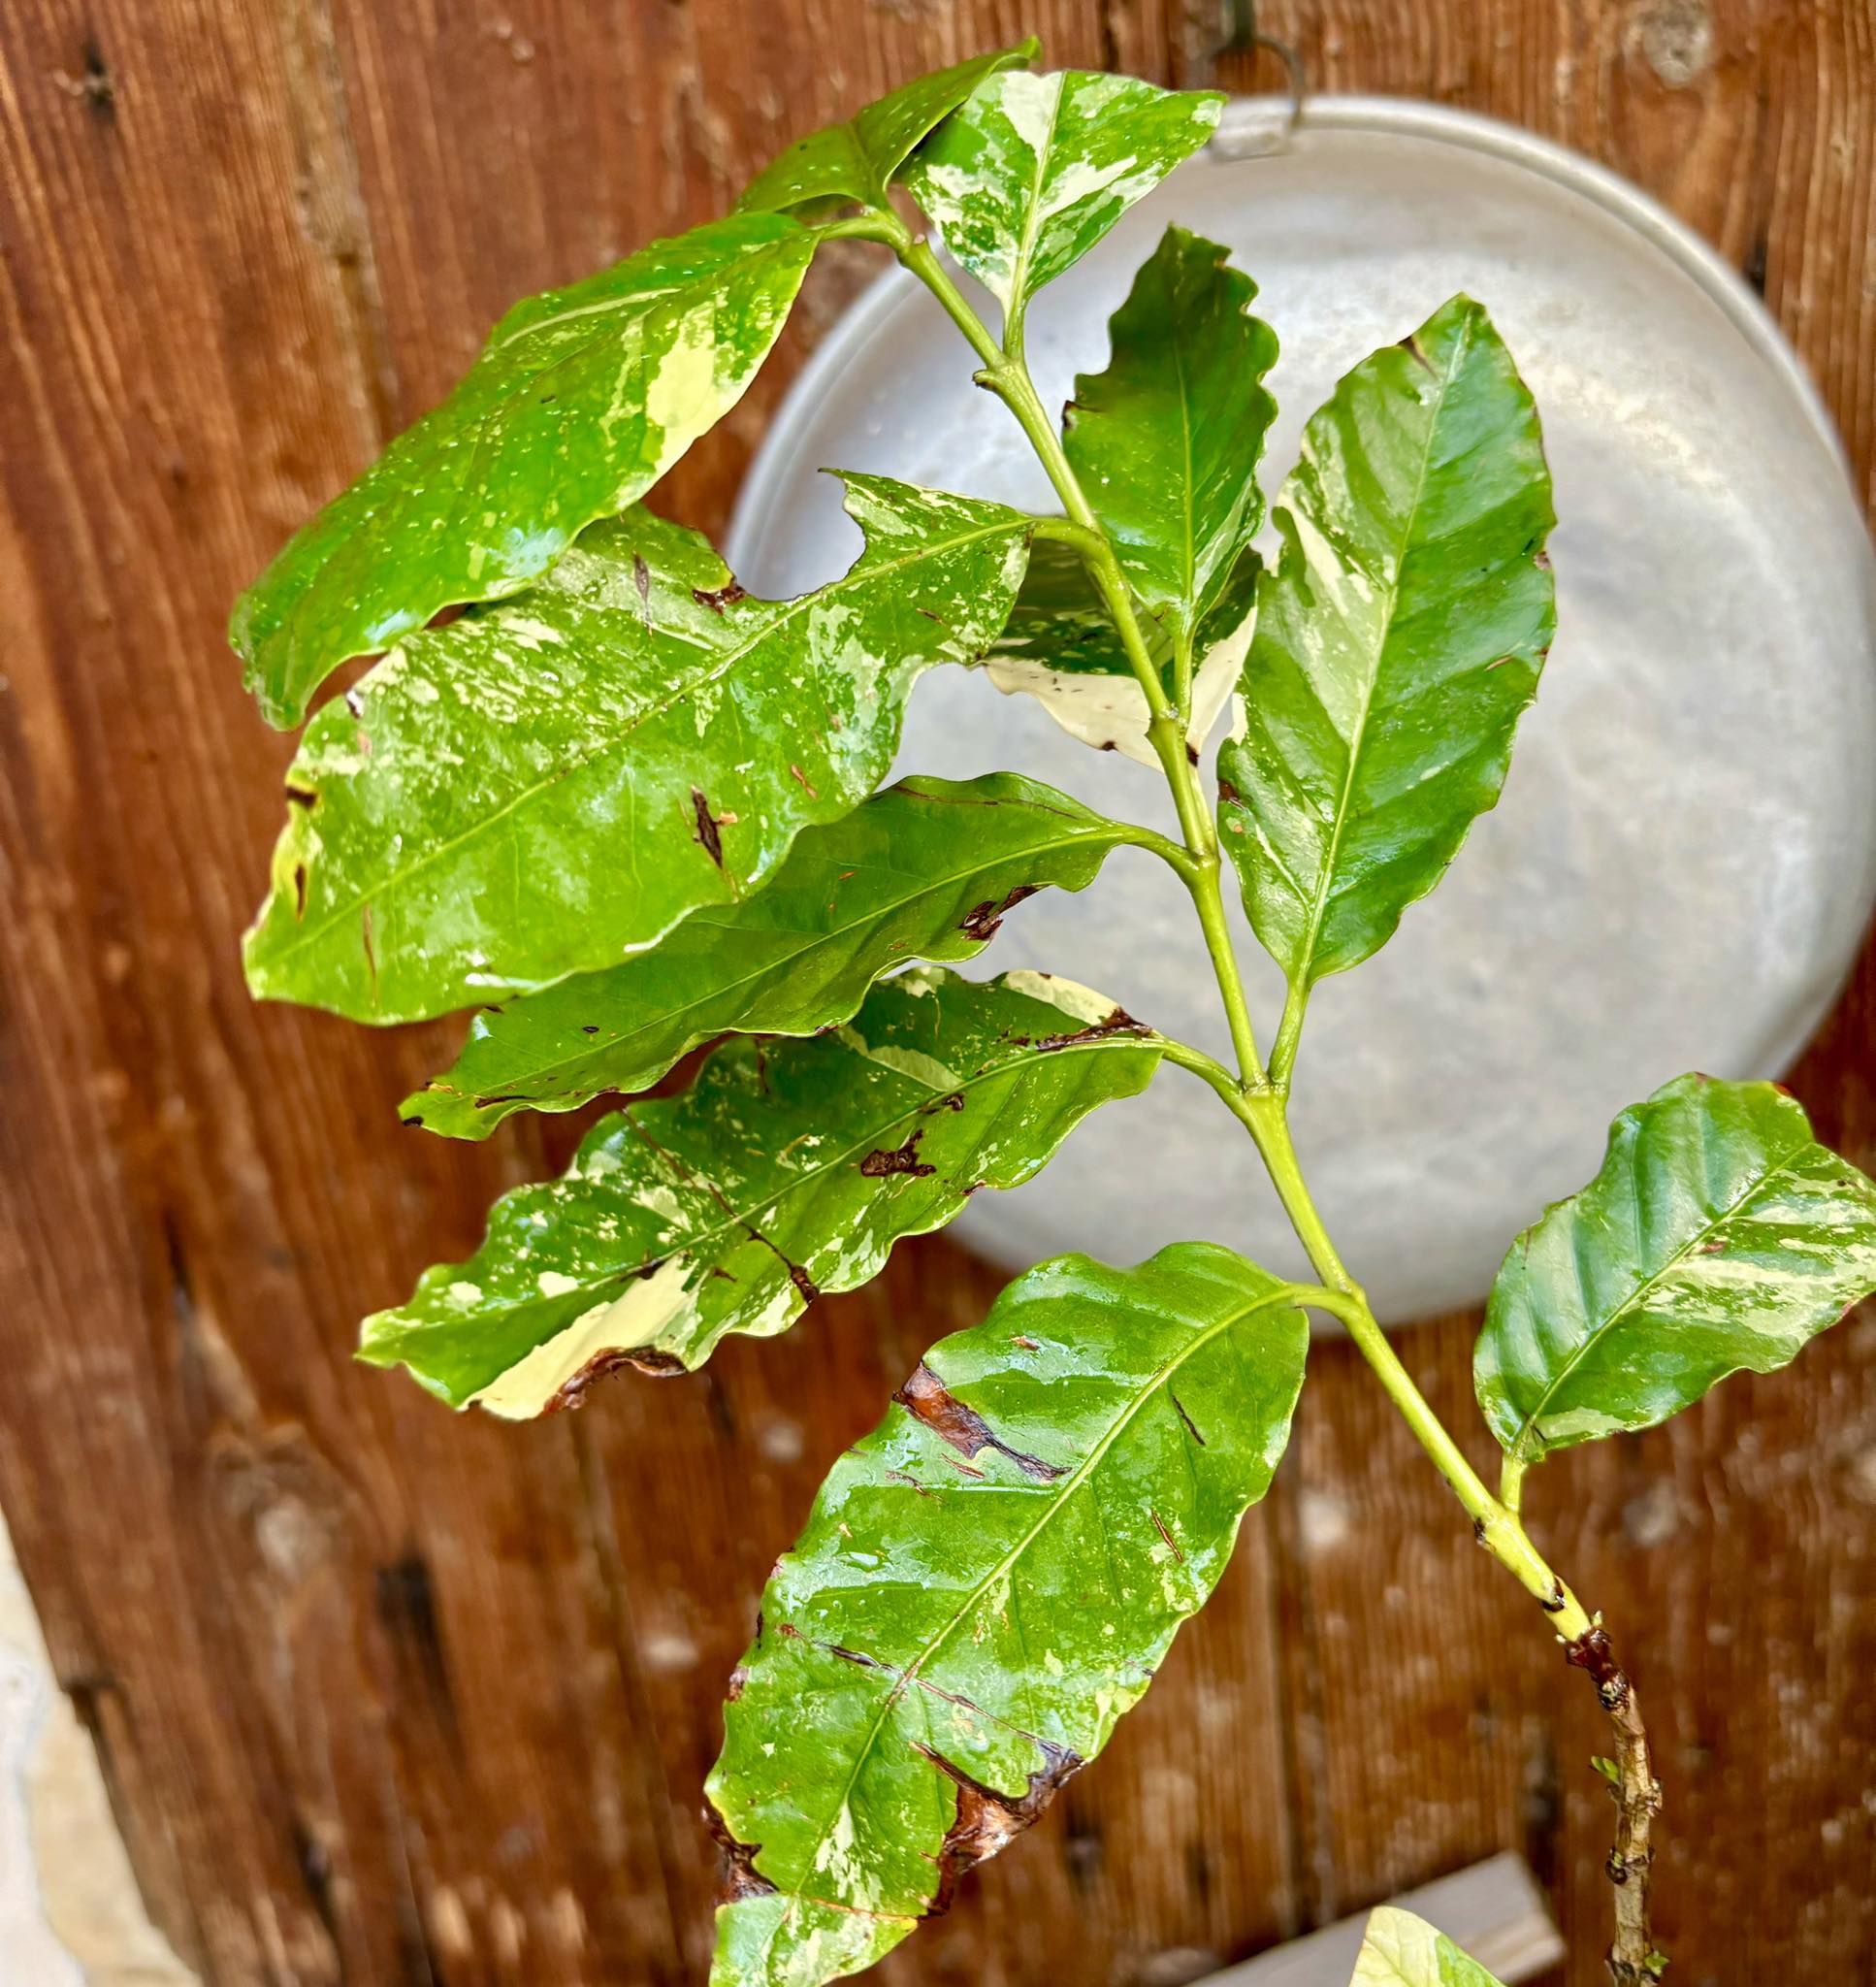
column 70, row 1915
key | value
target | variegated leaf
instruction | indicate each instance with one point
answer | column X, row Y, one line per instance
column 544, row 788
column 858, row 161
column 1031, row 171
column 1719, row 1237
column 986, row 1584
column 789, row 1168
column 1399, row 639
column 1401, row 1950
column 581, row 400
column 925, row 870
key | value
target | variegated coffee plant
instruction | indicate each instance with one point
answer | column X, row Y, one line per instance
column 622, row 809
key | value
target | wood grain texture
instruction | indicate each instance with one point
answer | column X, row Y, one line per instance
column 389, row 1697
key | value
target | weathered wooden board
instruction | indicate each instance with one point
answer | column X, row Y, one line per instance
column 389, row 1697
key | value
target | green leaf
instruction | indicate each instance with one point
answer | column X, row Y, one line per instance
column 925, row 870
column 581, row 400
column 1166, row 442
column 788, row 1169
column 1028, row 175
column 1399, row 638
column 859, row 159
column 986, row 1583
column 541, row 789
column 1401, row 1950
column 1719, row 1237
column 1060, row 647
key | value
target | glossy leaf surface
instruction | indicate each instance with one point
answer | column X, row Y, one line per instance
column 1166, row 442
column 1024, row 177
column 541, row 789
column 925, row 870
column 1719, row 1237
column 1400, row 1950
column 1399, row 638
column 788, row 1169
column 859, row 159
column 986, row 1583
column 1060, row 648
column 581, row 400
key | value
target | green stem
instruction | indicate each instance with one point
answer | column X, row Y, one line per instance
column 1005, row 374
column 1497, row 1528
column 1259, row 1101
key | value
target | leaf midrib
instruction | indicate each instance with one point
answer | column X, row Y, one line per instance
column 862, row 574
column 424, row 450
column 1113, row 834
column 626, row 301
column 1596, row 1332
column 909, row 1674
column 1031, row 228
column 747, row 1220
column 1325, row 877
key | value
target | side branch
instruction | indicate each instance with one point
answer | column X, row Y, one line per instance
column 1632, row 1959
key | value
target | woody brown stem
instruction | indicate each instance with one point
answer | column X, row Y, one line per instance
column 1638, row 1801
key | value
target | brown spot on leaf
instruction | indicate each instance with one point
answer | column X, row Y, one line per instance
column 856, row 1656
column 707, row 833
column 646, row 1359
column 717, row 598
column 1171, row 1544
column 1027, row 1343
column 301, row 796
column 1191, row 1426
column 740, row 1878
column 299, row 890
column 1118, row 1022
column 807, row 784
column 371, row 950
column 927, row 1399
column 987, row 920
column 987, row 1821
column 952, row 1100
column 803, row 1283
column 1414, row 349
column 1228, row 794
column 883, row 1163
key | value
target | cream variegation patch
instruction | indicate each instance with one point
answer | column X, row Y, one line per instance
column 1401, row 1950
column 637, row 1318
column 1110, row 712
